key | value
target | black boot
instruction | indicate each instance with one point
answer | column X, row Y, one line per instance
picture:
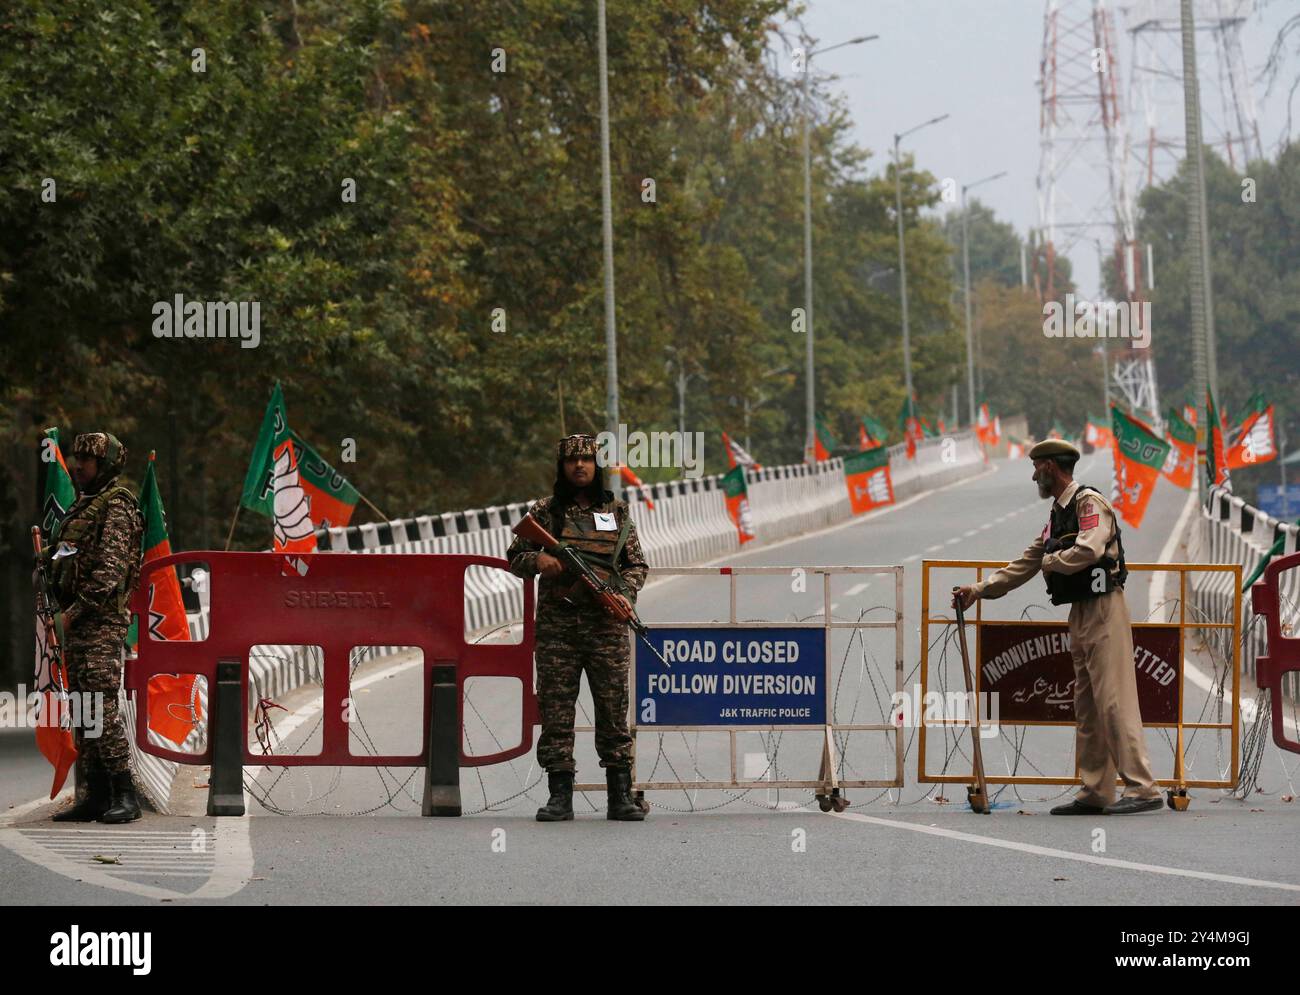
column 560, row 806
column 94, row 804
column 621, row 806
column 125, row 807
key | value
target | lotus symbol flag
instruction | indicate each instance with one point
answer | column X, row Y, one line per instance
column 293, row 528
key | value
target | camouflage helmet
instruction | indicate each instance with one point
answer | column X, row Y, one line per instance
column 576, row 445
column 103, row 446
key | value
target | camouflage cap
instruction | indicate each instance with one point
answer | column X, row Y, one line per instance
column 1053, row 447
column 576, row 445
column 104, row 446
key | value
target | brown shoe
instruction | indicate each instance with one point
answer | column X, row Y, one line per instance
column 1131, row 806
column 1077, row 807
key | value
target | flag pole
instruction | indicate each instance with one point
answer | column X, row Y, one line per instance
column 369, row 505
column 231, row 534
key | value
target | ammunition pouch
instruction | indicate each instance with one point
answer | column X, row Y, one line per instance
column 1064, row 589
column 81, row 529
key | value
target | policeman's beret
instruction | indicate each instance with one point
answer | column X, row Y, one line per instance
column 1053, row 447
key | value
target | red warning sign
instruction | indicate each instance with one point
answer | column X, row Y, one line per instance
column 1029, row 667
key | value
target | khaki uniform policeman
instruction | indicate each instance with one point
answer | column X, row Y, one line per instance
column 1081, row 554
column 575, row 634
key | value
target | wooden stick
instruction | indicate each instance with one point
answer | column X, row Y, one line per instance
column 381, row 515
column 231, row 534
column 985, row 806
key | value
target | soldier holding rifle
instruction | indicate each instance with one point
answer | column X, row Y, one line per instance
column 579, row 629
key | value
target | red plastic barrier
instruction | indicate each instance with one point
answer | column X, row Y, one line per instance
column 344, row 600
column 1283, row 651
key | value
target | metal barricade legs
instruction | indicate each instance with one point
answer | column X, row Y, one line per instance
column 442, row 764
column 226, row 707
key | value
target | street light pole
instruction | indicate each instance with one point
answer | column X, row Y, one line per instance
column 810, row 398
column 902, row 253
column 1201, row 303
column 965, row 266
column 607, row 235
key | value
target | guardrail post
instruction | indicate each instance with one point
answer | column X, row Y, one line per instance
column 442, row 763
column 226, row 725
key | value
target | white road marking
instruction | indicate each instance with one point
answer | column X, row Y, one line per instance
column 953, row 541
column 167, row 874
column 856, row 589
column 968, row 533
column 229, row 858
column 146, row 851
column 935, row 548
column 1083, row 858
column 986, row 525
column 909, row 559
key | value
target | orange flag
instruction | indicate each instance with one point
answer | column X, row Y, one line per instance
column 734, row 486
column 1180, row 464
column 1139, row 456
column 867, row 476
column 173, row 703
column 632, row 480
column 53, row 730
column 1255, row 442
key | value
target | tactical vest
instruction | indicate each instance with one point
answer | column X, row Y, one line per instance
column 1066, row 588
column 81, row 529
column 601, row 549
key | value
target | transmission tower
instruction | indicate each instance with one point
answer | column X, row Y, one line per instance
column 1155, row 97
column 1229, row 124
column 1083, row 172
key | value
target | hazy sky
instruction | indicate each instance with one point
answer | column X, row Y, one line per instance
column 978, row 60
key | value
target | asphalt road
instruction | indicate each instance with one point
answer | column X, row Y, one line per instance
column 306, row 841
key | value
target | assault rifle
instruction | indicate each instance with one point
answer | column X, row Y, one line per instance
column 606, row 595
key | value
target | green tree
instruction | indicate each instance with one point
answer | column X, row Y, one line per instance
column 1255, row 256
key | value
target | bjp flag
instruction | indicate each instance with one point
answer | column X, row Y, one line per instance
column 866, row 474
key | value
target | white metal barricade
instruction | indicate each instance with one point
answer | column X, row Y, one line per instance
column 828, row 784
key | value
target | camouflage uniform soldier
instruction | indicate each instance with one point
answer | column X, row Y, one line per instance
column 575, row 634
column 96, row 559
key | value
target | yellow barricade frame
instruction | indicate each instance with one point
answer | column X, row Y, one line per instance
column 978, row 621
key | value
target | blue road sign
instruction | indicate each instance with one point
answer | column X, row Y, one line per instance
column 1270, row 501
column 732, row 676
